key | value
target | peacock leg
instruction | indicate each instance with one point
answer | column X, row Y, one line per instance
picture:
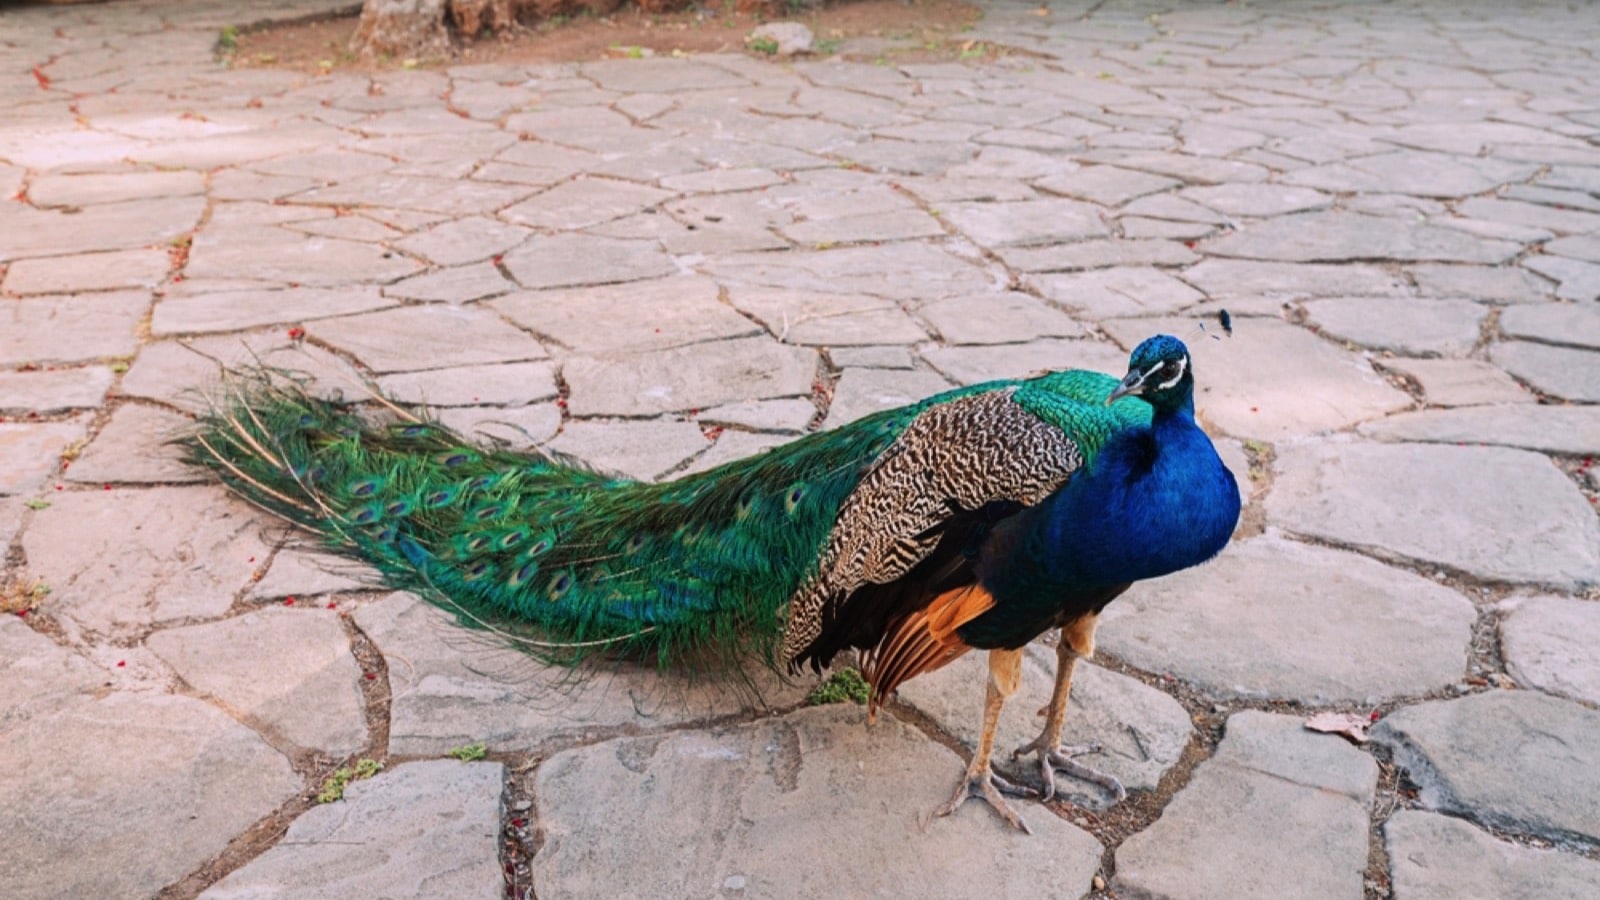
column 1077, row 640
column 1005, row 672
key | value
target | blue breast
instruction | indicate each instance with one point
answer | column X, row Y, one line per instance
column 1154, row 501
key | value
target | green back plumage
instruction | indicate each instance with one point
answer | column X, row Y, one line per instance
column 564, row 560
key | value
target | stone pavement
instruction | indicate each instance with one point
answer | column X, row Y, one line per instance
column 662, row 264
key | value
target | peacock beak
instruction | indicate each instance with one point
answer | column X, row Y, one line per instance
column 1130, row 385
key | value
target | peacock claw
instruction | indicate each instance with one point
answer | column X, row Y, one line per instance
column 1060, row 759
column 990, row 786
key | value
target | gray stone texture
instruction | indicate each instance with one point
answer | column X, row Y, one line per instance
column 1278, row 812
column 1276, row 619
column 1548, row 644
column 1573, row 430
column 1413, row 327
column 1460, row 382
column 1563, row 372
column 119, row 560
column 1443, row 858
column 1493, row 512
column 177, row 767
column 1511, row 759
column 611, row 813
column 419, row 829
column 289, row 672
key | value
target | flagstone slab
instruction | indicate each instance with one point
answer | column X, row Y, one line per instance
column 1492, row 512
column 1572, row 324
column 1434, row 857
column 1547, row 641
column 585, row 202
column 76, row 779
column 37, row 675
column 645, row 450
column 1578, row 280
column 1411, row 326
column 971, row 365
column 610, row 814
column 1257, row 200
column 1271, row 380
column 902, row 271
column 1565, row 372
column 862, row 392
column 1118, row 291
column 502, row 384
column 1271, row 618
column 517, row 426
column 54, row 390
column 816, row 319
column 188, row 373
column 135, row 446
column 235, row 310
column 1106, row 185
column 297, row 573
column 693, row 377
column 656, row 314
column 997, row 318
column 312, row 698
column 1340, row 236
column 71, row 328
column 120, row 560
column 125, row 225
column 1256, row 821
column 1227, row 279
column 1498, row 284
column 565, row 260
column 87, row 272
column 30, row 453
column 458, row 687
column 462, row 241
column 1572, row 430
column 280, row 256
column 418, row 829
column 1460, row 382
column 1026, row 222
column 84, row 189
column 427, row 337
column 1518, row 760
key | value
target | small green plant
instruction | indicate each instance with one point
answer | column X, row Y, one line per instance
column 765, row 45
column 37, row 504
column 470, row 752
column 828, row 46
column 845, row 684
column 227, row 41
column 333, row 788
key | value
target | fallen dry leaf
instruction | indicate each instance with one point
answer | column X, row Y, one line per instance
column 1351, row 725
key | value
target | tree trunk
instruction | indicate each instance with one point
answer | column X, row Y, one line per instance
column 404, row 28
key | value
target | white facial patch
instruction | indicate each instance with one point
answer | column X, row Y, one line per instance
column 1183, row 366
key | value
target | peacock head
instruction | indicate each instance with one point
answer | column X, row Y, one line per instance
column 1159, row 371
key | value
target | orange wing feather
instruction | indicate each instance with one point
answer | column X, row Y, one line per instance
column 923, row 641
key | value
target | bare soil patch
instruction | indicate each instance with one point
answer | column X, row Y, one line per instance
column 887, row 31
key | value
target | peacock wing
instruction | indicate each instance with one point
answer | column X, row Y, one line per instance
column 954, row 458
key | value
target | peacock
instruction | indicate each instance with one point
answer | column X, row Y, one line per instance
column 979, row 518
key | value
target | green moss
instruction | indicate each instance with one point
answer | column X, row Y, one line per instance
column 333, row 788
column 470, row 752
column 845, row 684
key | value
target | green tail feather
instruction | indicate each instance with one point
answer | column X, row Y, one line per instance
column 561, row 559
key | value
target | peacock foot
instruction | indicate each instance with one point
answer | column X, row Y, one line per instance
column 1060, row 759
column 986, row 784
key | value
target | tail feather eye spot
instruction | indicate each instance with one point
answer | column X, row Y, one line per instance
column 486, row 513
column 559, row 586
column 364, row 488
column 475, row 571
column 437, row 499
column 456, row 458
column 791, row 500
column 634, row 544
column 522, row 574
column 366, row 515
column 512, row 538
column 397, row 508
column 540, row 547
